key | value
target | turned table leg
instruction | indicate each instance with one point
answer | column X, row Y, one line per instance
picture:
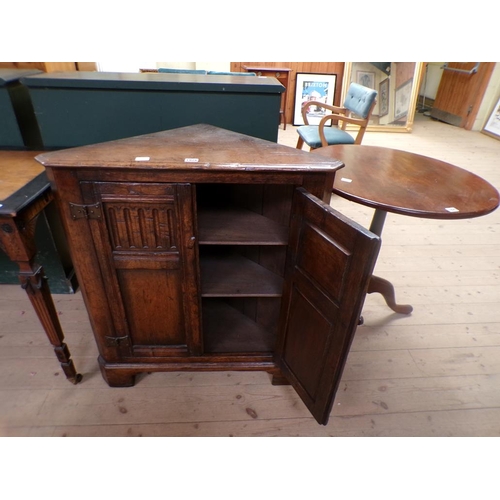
column 36, row 287
column 17, row 239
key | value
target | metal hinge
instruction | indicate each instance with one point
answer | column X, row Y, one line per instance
column 116, row 341
column 85, row 211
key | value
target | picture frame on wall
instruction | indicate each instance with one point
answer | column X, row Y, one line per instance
column 383, row 95
column 492, row 126
column 313, row 87
column 402, row 100
column 366, row 78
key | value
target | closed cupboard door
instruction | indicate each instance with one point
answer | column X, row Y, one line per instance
column 145, row 242
column 329, row 265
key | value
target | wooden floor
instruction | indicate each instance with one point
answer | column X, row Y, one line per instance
column 433, row 373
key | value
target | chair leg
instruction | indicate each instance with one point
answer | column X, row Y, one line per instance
column 300, row 143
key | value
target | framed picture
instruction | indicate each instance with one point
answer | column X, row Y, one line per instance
column 402, row 104
column 383, row 96
column 492, row 126
column 366, row 78
column 313, row 87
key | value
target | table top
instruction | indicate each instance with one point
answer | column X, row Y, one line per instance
column 409, row 184
column 22, row 179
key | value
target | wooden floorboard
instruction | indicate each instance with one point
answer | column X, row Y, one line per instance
column 435, row 372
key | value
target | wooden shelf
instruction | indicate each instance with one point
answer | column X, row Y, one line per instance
column 226, row 330
column 225, row 274
column 238, row 226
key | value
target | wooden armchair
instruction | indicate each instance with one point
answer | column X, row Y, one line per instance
column 357, row 109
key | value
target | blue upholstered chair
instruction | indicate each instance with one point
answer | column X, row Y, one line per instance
column 357, row 109
column 231, row 73
column 183, row 71
column 203, row 72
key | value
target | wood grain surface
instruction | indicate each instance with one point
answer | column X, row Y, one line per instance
column 16, row 169
column 435, row 372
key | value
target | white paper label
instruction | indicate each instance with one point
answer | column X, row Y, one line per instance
column 142, row 158
column 345, row 179
column 191, row 160
column 452, row 209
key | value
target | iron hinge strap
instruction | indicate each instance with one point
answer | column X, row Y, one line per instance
column 116, row 341
column 85, row 211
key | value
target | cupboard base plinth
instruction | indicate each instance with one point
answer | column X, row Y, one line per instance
column 123, row 374
column 279, row 379
column 116, row 377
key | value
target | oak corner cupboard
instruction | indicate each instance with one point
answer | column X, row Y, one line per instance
column 200, row 248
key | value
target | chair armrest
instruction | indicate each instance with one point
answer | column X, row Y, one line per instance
column 345, row 119
column 333, row 109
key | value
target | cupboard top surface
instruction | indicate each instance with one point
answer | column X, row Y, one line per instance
column 13, row 75
column 153, row 81
column 196, row 147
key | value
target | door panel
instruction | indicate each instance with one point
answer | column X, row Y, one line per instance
column 329, row 264
column 158, row 320
column 144, row 240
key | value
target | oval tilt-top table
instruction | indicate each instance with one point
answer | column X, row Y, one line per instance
column 405, row 183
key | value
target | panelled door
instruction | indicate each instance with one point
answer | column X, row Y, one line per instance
column 460, row 92
column 329, row 264
column 145, row 243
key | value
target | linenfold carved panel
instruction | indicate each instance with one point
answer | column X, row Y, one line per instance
column 142, row 226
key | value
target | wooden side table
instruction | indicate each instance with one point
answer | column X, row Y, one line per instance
column 405, row 183
column 24, row 194
column 283, row 76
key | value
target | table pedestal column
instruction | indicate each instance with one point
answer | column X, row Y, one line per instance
column 381, row 285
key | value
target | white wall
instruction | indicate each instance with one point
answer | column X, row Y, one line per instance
column 135, row 66
column 490, row 99
column 432, row 77
column 125, row 66
column 214, row 66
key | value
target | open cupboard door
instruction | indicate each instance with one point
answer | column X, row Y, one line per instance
column 329, row 264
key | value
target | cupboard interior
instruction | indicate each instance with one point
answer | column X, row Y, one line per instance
column 242, row 244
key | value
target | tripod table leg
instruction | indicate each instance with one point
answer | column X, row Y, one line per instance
column 386, row 289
